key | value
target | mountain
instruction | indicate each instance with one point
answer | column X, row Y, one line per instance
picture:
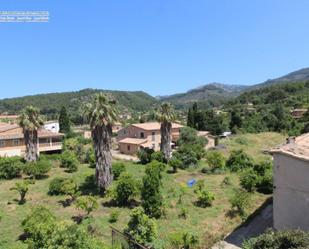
column 296, row 76
column 51, row 103
column 212, row 94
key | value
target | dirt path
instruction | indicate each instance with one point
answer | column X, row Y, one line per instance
column 257, row 226
column 117, row 155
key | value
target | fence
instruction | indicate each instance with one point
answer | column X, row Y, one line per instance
column 124, row 241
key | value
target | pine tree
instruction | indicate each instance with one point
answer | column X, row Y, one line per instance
column 64, row 121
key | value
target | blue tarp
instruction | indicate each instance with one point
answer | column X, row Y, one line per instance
column 191, row 182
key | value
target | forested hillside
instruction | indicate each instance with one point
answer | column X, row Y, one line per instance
column 51, row 103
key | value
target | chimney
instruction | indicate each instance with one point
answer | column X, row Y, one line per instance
column 290, row 140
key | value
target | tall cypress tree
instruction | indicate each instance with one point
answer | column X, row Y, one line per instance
column 64, row 121
column 190, row 118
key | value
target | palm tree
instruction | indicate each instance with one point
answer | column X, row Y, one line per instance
column 102, row 113
column 30, row 121
column 165, row 115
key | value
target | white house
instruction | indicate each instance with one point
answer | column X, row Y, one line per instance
column 52, row 126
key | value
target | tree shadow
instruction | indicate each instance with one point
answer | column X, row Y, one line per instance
column 89, row 187
column 112, row 203
column 66, row 203
column 78, row 219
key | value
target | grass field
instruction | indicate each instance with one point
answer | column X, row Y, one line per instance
column 212, row 221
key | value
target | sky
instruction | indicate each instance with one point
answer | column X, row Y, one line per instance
column 157, row 46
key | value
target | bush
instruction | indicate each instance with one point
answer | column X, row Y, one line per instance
column 90, row 158
column 215, row 160
column 151, row 195
column 126, row 188
column 10, row 167
column 140, row 227
column 187, row 157
column 183, row 213
column 87, row 203
column 293, row 239
column 205, row 198
column 55, row 186
column 226, row 181
column 199, row 186
column 69, row 187
column 144, row 155
column 117, row 169
column 69, row 161
column 22, row 188
column 186, row 240
column 175, row 163
column 158, row 156
column 240, row 201
column 249, row 179
column 113, row 217
column 37, row 169
column 239, row 160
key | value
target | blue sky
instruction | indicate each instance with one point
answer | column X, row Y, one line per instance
column 158, row 46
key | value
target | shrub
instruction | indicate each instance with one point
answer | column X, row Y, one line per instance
column 69, row 161
column 239, row 160
column 22, row 188
column 90, row 158
column 288, row 239
column 113, row 217
column 175, row 163
column 39, row 225
column 249, row 179
column 199, row 186
column 37, row 169
column 183, row 213
column 55, row 186
column 144, row 155
column 140, row 227
column 151, row 195
column 126, row 188
column 87, row 203
column 69, row 187
column 227, row 181
column 215, row 160
column 158, row 156
column 10, row 167
column 186, row 240
column 205, row 198
column 240, row 201
column 187, row 157
column 117, row 169
column 265, row 183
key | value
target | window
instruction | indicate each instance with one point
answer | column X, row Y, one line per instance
column 153, row 136
column 142, row 135
column 153, row 146
column 128, row 147
column 2, row 143
column 15, row 142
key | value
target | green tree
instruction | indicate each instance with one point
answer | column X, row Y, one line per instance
column 190, row 118
column 151, row 195
column 30, row 121
column 87, row 203
column 215, row 160
column 239, row 160
column 240, row 201
column 22, row 188
column 165, row 115
column 64, row 121
column 140, row 227
column 102, row 114
column 126, row 188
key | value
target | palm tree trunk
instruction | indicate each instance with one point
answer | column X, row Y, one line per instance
column 166, row 128
column 101, row 136
column 31, row 141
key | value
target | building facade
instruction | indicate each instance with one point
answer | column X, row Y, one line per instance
column 12, row 140
column 145, row 135
column 291, row 184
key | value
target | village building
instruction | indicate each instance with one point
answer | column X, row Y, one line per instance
column 291, row 184
column 12, row 140
column 144, row 135
column 210, row 138
column 52, row 126
column 298, row 113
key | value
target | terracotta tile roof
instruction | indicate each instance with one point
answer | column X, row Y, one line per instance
column 4, row 128
column 297, row 147
column 136, row 141
column 152, row 126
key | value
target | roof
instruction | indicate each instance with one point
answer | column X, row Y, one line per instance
column 5, row 116
column 296, row 147
column 129, row 140
column 7, row 132
column 153, row 126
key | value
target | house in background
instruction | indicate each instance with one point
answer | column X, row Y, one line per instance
column 144, row 135
column 298, row 113
column 12, row 140
column 291, row 184
column 210, row 138
column 52, row 126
